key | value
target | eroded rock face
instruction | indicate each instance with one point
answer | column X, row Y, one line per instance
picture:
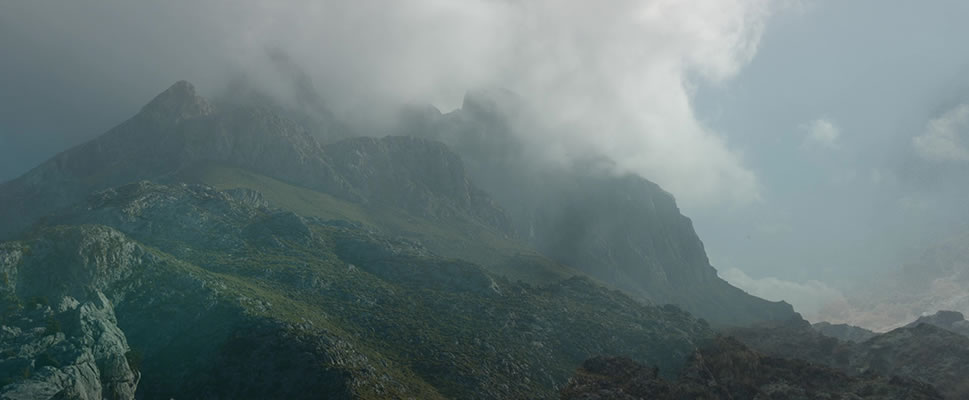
column 71, row 350
column 60, row 336
column 727, row 369
column 418, row 175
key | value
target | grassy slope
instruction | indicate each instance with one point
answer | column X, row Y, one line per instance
column 457, row 238
column 434, row 327
column 438, row 341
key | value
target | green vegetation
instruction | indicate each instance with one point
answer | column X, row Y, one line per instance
column 52, row 326
column 460, row 238
column 212, row 290
column 45, row 359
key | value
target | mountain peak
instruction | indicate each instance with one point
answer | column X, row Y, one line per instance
column 178, row 102
column 492, row 101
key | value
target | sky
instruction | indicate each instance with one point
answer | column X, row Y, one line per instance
column 815, row 144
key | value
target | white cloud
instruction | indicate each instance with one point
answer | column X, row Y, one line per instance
column 808, row 298
column 612, row 78
column 944, row 138
column 822, row 132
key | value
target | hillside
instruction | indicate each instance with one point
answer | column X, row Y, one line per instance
column 616, row 227
column 206, row 250
column 623, row 231
column 201, row 284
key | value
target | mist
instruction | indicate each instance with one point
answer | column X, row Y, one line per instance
column 798, row 166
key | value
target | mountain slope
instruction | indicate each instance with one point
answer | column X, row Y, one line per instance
column 205, row 284
column 952, row 321
column 176, row 129
column 619, row 228
column 179, row 129
column 460, row 238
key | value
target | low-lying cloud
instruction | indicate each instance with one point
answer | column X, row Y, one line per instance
column 808, row 297
column 614, row 80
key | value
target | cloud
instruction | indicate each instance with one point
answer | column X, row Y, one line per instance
column 944, row 138
column 615, row 80
column 822, row 132
column 895, row 307
column 808, row 298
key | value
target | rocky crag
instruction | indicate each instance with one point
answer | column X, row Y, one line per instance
column 726, row 369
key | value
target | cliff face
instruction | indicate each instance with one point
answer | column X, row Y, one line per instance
column 73, row 349
column 621, row 229
column 417, row 175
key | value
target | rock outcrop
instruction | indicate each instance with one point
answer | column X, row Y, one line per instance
column 69, row 350
column 726, row 369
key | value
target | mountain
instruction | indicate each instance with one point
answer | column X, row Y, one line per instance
column 619, row 228
column 179, row 130
column 923, row 352
column 934, row 281
column 190, row 292
column 843, row 332
column 726, row 369
column 220, row 250
column 173, row 131
column 951, row 321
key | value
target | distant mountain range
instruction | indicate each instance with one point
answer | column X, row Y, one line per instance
column 934, row 281
column 932, row 349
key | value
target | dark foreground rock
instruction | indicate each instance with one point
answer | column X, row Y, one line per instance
column 726, row 369
column 923, row 352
